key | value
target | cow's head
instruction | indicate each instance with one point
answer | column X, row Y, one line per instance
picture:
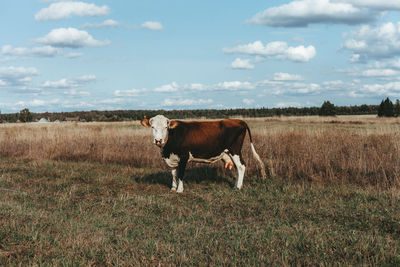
column 159, row 125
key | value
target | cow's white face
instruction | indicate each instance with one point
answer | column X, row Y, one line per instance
column 159, row 126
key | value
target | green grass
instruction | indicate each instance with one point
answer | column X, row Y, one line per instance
column 69, row 213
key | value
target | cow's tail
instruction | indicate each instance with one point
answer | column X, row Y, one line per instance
column 255, row 155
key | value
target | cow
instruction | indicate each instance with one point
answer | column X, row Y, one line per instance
column 201, row 141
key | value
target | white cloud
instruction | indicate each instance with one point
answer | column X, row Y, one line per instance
column 290, row 87
column 65, row 83
column 17, row 76
column 281, row 76
column 76, row 93
column 17, row 72
column 152, row 25
column 2, row 83
column 185, row 102
column 369, row 42
column 354, row 58
column 248, row 101
column 172, row 87
column 287, row 104
column 372, row 73
column 243, row 64
column 112, row 100
column 70, row 37
column 79, row 105
column 196, row 87
column 105, row 24
column 376, row 4
column 32, row 103
column 87, row 78
column 391, row 89
column 129, row 93
column 42, row 51
column 278, row 50
column 63, row 10
column 301, row 13
column 234, row 86
column 222, row 86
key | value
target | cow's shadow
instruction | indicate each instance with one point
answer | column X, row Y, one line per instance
column 193, row 174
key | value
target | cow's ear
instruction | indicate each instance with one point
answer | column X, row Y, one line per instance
column 173, row 124
column 145, row 122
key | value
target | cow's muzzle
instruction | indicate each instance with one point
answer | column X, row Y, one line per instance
column 158, row 142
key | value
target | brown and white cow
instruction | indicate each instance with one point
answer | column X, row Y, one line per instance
column 200, row 141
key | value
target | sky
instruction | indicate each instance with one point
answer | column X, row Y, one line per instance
column 111, row 54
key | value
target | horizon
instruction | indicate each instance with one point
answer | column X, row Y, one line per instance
column 103, row 55
column 198, row 109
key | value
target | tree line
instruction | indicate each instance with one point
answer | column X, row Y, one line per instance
column 327, row 109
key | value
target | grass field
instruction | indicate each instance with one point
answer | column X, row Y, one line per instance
column 98, row 194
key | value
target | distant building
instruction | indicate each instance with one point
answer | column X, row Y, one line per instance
column 43, row 120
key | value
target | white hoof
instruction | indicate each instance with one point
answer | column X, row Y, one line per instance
column 180, row 186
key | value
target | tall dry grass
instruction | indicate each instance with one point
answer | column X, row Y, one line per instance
column 360, row 150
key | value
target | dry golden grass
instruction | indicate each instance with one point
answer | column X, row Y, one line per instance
column 357, row 149
column 64, row 203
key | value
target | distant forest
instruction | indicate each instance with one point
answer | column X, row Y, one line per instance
column 127, row 115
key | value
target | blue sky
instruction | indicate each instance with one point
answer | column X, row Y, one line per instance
column 114, row 54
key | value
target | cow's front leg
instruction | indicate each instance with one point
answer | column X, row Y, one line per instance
column 181, row 173
column 173, row 188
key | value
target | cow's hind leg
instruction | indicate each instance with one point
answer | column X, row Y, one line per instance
column 173, row 187
column 237, row 159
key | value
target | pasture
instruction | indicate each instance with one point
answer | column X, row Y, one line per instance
column 98, row 194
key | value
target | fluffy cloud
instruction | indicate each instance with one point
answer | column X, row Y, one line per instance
column 105, row 24
column 290, row 87
column 376, row 4
column 233, row 86
column 70, row 37
column 222, row 86
column 185, row 102
column 247, row 101
column 62, row 10
column 43, row 51
column 32, row 103
column 172, row 87
column 152, row 25
column 196, row 87
column 17, row 76
column 380, row 73
column 391, row 89
column 76, row 93
column 278, row 50
column 281, row 76
column 369, row 42
column 17, row 72
column 243, row 64
column 301, row 13
column 129, row 93
column 65, row 83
